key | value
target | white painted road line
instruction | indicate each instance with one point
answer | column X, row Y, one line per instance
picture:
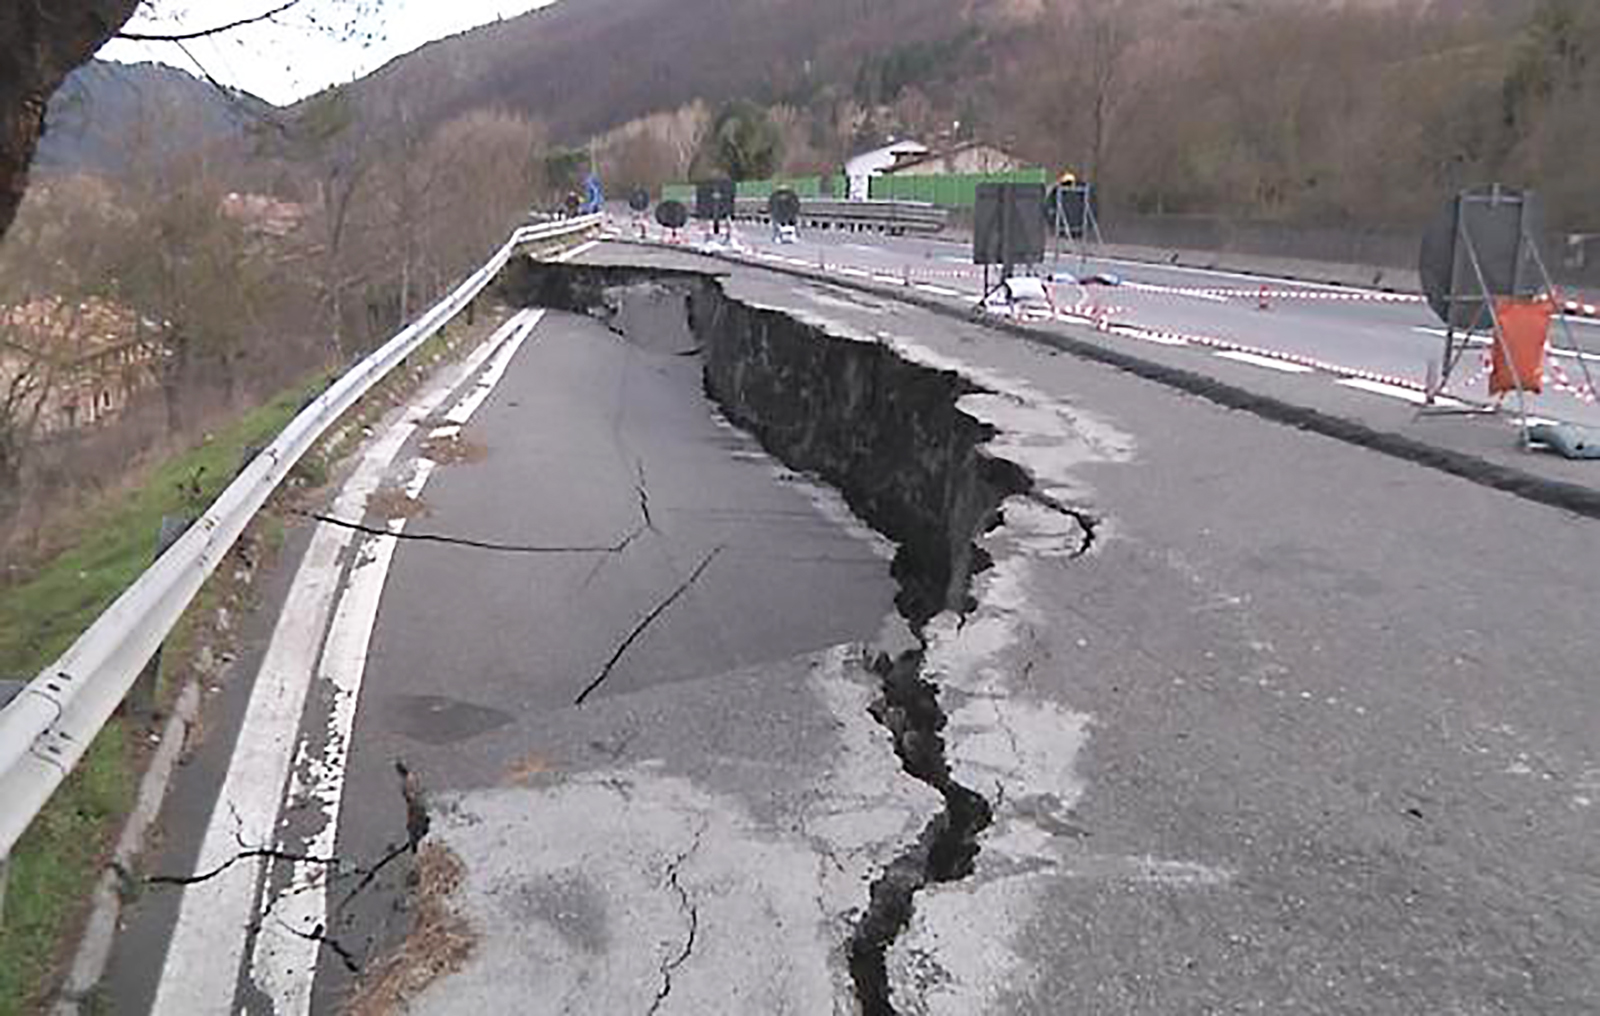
column 1410, row 395
column 576, row 252
column 285, row 959
column 1268, row 362
column 286, row 948
column 463, row 410
column 284, row 963
column 206, row 950
column 939, row 290
column 1486, row 342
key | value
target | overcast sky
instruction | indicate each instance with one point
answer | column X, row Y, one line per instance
column 289, row 58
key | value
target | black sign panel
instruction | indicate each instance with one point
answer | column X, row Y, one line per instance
column 1480, row 245
column 714, row 200
column 639, row 200
column 1068, row 208
column 672, row 214
column 784, row 207
column 1007, row 228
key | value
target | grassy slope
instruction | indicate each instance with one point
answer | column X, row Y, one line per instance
column 39, row 619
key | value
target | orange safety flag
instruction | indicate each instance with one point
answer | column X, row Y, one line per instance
column 1518, row 355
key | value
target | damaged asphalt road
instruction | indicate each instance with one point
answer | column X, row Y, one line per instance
column 1159, row 707
column 1264, row 721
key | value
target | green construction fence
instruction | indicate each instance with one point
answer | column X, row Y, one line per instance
column 956, row 190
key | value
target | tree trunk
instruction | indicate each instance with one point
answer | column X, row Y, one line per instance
column 175, row 382
column 38, row 49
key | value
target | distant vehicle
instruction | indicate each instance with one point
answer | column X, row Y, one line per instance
column 786, row 234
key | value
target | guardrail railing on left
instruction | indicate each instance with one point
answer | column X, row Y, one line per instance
column 47, row 727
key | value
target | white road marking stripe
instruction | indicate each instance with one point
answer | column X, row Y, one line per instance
column 938, row 290
column 528, row 321
column 892, row 280
column 578, row 251
column 284, row 964
column 1396, row 392
column 853, row 271
column 206, row 949
column 1264, row 361
column 1485, row 342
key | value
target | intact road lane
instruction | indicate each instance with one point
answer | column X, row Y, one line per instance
column 1386, row 337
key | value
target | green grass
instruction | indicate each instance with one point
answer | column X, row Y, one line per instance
column 55, row 863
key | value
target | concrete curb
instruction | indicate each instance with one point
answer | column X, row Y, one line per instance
column 94, row 948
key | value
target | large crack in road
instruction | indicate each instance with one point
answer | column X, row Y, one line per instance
column 890, row 435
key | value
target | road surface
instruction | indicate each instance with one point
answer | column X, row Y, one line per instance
column 1300, row 727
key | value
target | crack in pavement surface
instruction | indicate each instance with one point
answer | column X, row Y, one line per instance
column 692, row 915
column 644, row 624
column 408, row 536
column 1005, row 437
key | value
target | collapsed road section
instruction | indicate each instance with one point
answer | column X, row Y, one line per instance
column 914, row 447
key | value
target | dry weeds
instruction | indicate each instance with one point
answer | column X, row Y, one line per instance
column 439, row 944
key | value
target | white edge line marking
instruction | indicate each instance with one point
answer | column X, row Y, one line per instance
column 1485, row 342
column 1396, row 392
column 285, row 960
column 938, row 290
column 463, row 411
column 1264, row 361
column 206, row 948
column 286, row 953
column 578, row 251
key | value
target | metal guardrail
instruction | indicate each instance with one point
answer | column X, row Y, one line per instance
column 47, row 727
column 893, row 217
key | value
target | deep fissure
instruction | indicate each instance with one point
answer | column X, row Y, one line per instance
column 886, row 433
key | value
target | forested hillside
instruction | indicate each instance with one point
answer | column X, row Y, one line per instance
column 1360, row 112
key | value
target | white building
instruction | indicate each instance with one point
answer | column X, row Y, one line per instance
column 861, row 169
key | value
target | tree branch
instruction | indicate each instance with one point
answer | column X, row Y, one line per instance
column 204, row 32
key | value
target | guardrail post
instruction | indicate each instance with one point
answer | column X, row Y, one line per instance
column 8, row 690
column 141, row 700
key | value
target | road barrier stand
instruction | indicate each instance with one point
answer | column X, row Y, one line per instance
column 141, row 700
